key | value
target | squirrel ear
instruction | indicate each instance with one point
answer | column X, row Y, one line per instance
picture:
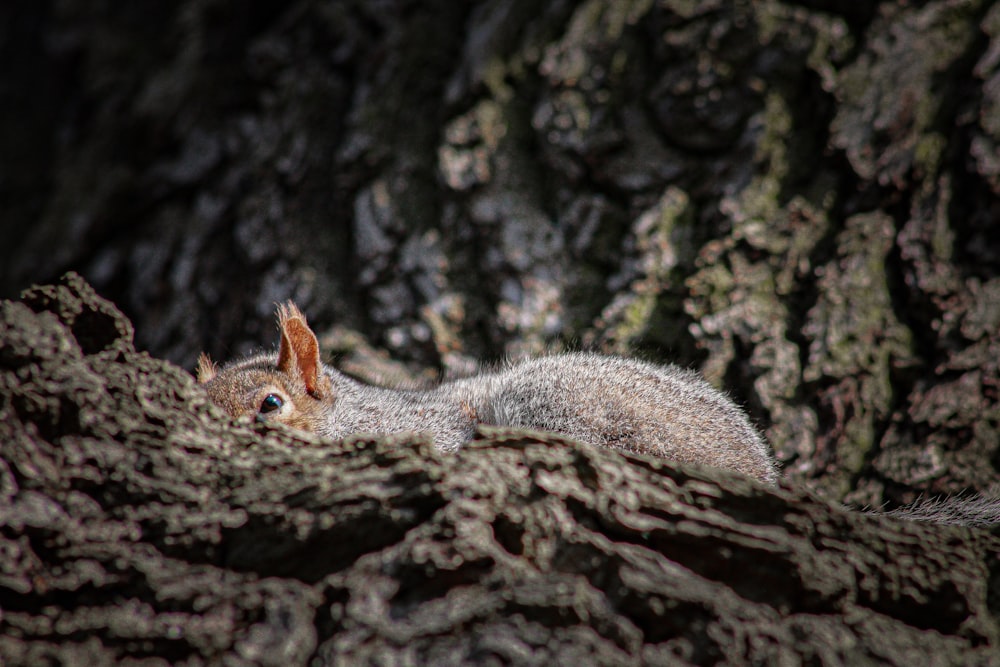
column 298, row 352
column 206, row 368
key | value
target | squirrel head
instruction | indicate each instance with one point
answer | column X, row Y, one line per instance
column 290, row 388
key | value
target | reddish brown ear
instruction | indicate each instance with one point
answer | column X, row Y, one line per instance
column 298, row 352
column 206, row 368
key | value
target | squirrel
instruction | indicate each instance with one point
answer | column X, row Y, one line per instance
column 608, row 401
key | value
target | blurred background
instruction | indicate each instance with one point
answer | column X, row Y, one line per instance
column 800, row 199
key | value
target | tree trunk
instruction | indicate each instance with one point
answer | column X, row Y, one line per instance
column 137, row 523
column 797, row 198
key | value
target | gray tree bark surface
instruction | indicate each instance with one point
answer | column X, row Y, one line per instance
column 139, row 526
column 797, row 198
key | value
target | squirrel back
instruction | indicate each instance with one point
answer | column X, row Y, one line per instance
column 608, row 401
column 629, row 405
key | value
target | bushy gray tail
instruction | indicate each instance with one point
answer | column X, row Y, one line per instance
column 977, row 511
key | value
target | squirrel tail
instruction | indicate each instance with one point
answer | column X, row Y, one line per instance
column 976, row 511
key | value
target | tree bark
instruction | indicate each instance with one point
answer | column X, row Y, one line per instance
column 138, row 525
column 797, row 198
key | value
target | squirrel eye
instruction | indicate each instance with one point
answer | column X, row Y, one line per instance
column 271, row 403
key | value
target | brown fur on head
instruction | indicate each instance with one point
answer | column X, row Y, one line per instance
column 290, row 387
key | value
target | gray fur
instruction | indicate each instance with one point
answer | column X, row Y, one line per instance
column 973, row 510
column 613, row 402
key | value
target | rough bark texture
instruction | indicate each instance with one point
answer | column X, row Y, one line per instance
column 137, row 526
column 800, row 199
